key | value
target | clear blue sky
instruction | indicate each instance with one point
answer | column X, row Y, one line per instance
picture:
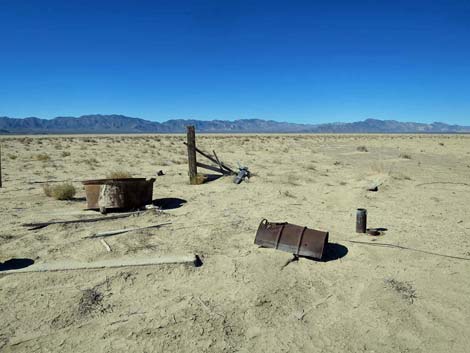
column 299, row 61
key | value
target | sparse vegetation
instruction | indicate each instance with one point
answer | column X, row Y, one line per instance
column 65, row 154
column 405, row 289
column 362, row 149
column 90, row 301
column 64, row 191
column 43, row 157
column 118, row 174
column 405, row 155
column 287, row 193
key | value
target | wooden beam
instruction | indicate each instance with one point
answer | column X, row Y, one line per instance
column 113, row 263
column 210, row 167
column 191, row 137
column 212, row 159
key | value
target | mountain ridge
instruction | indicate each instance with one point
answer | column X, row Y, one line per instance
column 115, row 123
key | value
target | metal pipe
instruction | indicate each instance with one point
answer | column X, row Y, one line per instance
column 361, row 220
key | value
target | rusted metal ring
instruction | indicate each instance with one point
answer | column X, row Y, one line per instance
column 373, row 232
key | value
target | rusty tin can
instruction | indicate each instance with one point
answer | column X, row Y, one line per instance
column 301, row 241
column 361, row 220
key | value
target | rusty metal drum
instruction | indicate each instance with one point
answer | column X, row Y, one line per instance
column 301, row 241
column 128, row 193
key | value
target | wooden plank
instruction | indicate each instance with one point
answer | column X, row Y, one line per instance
column 86, row 220
column 113, row 263
column 191, row 137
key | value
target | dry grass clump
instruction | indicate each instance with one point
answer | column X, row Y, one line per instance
column 90, row 301
column 405, row 289
column 64, row 191
column 43, row 157
column 405, row 155
column 362, row 149
column 118, row 174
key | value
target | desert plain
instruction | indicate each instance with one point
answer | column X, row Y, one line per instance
column 367, row 297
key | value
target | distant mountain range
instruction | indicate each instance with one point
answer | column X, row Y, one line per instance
column 96, row 124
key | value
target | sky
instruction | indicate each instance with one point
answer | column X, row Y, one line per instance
column 296, row 61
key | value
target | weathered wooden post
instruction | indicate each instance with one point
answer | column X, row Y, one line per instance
column 0, row 165
column 191, row 143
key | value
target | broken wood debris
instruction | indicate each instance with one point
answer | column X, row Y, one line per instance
column 219, row 167
column 126, row 230
column 106, row 245
column 33, row 226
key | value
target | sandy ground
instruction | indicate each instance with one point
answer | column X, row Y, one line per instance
column 243, row 298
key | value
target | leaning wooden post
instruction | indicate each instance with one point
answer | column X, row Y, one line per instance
column 191, row 135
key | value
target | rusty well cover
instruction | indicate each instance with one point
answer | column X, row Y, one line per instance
column 291, row 238
column 129, row 193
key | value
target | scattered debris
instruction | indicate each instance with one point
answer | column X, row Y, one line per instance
column 33, row 226
column 219, row 167
column 361, row 220
column 120, row 231
column 298, row 240
column 106, row 245
column 242, row 174
column 192, row 260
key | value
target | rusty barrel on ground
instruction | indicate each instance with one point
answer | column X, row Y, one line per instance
column 361, row 220
column 128, row 193
column 301, row 241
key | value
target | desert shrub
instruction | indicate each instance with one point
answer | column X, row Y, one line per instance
column 119, row 174
column 12, row 156
column 405, row 155
column 91, row 161
column 362, row 149
column 65, row 191
column 66, row 154
column 43, row 157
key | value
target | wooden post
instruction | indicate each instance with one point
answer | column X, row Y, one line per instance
column 191, row 135
column 0, row 165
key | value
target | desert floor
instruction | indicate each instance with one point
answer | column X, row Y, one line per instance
column 244, row 298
